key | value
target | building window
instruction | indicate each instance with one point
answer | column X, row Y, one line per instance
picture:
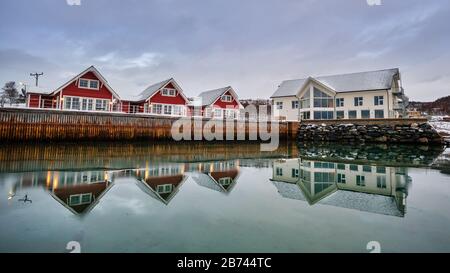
column 217, row 113
column 88, row 84
column 227, row 98
column 381, row 169
column 361, row 180
column 101, row 105
column 80, row 199
column 170, row 92
column 83, row 83
column 381, row 182
column 378, row 100
column 321, row 99
column 352, row 114
column 339, row 114
column 365, row 114
column 379, row 113
column 225, row 181
column 341, row 178
column 295, row 104
column 305, row 101
column 178, row 110
column 358, row 101
column 93, row 84
column 157, row 109
column 367, row 168
column 341, row 166
column 229, row 113
column 294, row 173
column 72, row 103
column 161, row 189
column 306, row 115
column 323, row 114
column 279, row 171
column 353, row 167
column 167, row 109
column 279, row 105
column 340, row 102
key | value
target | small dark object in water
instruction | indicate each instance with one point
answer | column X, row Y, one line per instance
column 25, row 199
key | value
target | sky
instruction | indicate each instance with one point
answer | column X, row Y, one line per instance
column 251, row 45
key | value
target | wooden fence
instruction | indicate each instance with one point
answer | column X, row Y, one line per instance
column 56, row 125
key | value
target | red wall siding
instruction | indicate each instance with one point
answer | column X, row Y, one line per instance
column 73, row 90
column 125, row 106
column 159, row 98
column 223, row 104
column 33, row 100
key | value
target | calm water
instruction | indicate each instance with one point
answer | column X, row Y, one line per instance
column 223, row 198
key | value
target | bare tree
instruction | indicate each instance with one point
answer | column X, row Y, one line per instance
column 10, row 92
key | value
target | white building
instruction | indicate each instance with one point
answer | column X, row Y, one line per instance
column 373, row 94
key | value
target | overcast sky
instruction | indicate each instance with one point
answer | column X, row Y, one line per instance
column 251, row 45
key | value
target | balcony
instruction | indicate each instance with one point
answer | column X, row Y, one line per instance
column 398, row 91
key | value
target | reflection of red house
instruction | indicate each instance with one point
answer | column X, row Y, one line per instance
column 87, row 91
column 222, row 181
column 80, row 198
column 218, row 103
column 161, row 183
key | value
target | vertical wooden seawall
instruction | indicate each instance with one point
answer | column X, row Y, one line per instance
column 55, row 125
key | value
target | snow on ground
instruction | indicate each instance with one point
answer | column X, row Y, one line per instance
column 441, row 126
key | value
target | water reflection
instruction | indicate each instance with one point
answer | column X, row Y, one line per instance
column 370, row 188
column 218, row 176
column 79, row 192
column 370, row 178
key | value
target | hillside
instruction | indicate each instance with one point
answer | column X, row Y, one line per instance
column 438, row 107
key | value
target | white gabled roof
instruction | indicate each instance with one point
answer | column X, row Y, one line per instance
column 211, row 96
column 93, row 70
column 37, row 90
column 153, row 89
column 361, row 81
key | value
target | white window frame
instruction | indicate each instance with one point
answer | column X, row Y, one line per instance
column 88, row 84
column 165, row 188
column 226, row 98
column 279, row 105
column 225, row 181
column 91, row 103
column 167, row 92
column 81, row 199
column 380, row 100
column 216, row 111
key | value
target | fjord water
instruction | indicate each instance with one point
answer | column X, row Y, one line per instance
column 223, row 197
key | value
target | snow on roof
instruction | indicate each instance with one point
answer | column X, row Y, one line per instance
column 206, row 181
column 289, row 190
column 208, row 97
column 149, row 91
column 38, row 90
column 371, row 80
column 373, row 203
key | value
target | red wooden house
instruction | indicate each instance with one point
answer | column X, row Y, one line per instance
column 87, row 91
column 162, row 98
column 217, row 103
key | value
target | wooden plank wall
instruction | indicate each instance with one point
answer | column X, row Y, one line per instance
column 56, row 125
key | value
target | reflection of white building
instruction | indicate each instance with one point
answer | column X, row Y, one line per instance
column 375, row 189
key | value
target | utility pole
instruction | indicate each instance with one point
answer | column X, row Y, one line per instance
column 36, row 75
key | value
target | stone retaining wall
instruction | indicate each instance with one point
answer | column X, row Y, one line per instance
column 380, row 133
